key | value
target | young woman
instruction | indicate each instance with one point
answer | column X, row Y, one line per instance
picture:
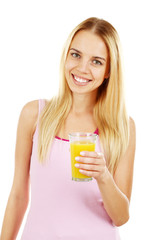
column 90, row 99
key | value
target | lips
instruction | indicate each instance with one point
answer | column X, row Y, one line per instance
column 80, row 80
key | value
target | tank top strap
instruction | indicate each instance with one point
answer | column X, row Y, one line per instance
column 42, row 103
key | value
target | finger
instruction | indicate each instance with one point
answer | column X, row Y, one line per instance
column 94, row 174
column 90, row 167
column 92, row 154
column 88, row 160
column 87, row 167
column 89, row 173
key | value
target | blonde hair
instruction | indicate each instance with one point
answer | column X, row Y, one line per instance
column 109, row 111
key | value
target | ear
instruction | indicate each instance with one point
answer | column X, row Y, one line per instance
column 107, row 72
column 107, row 75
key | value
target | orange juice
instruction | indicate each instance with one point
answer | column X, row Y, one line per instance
column 76, row 147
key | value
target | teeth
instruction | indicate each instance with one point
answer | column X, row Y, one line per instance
column 80, row 79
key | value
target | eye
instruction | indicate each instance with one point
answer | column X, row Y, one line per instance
column 97, row 62
column 75, row 55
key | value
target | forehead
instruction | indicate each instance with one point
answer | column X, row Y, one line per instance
column 89, row 43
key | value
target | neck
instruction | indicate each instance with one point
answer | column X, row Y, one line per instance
column 83, row 103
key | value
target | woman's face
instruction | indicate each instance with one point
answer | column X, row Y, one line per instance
column 87, row 63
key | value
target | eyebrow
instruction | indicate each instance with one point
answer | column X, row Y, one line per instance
column 96, row 57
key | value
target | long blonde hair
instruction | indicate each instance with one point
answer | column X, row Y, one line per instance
column 109, row 111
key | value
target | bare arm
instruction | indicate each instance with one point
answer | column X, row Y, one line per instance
column 115, row 191
column 19, row 195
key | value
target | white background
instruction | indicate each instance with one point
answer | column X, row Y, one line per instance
column 32, row 34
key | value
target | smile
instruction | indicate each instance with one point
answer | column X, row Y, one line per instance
column 79, row 80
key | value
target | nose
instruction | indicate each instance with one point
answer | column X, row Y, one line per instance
column 83, row 66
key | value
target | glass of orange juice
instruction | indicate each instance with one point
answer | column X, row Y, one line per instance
column 80, row 142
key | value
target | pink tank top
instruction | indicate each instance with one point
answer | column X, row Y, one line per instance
column 62, row 209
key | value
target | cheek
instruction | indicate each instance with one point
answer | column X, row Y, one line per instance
column 100, row 75
column 70, row 64
column 68, row 68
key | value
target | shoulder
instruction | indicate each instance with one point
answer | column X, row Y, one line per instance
column 130, row 151
column 31, row 107
column 132, row 129
column 28, row 116
column 132, row 123
column 30, row 110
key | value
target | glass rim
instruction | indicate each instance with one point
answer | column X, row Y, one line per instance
column 82, row 134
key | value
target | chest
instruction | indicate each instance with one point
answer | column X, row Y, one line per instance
column 78, row 123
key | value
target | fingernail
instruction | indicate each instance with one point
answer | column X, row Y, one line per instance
column 76, row 165
column 77, row 158
column 82, row 153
